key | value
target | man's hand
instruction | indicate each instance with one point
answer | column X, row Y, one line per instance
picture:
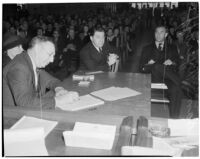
column 112, row 58
column 151, row 62
column 168, row 62
column 65, row 99
column 60, row 91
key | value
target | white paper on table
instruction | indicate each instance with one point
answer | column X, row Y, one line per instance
column 25, row 142
column 184, row 127
column 161, row 145
column 142, row 151
column 83, row 77
column 88, row 135
column 85, row 102
column 115, row 93
column 32, row 122
column 92, row 73
column 158, row 86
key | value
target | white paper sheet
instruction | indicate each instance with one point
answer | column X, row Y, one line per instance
column 115, row 93
column 158, row 86
column 95, row 72
column 88, row 135
column 161, row 145
column 85, row 102
column 25, row 142
column 184, row 127
column 83, row 77
column 32, row 122
column 142, row 151
column 164, row 100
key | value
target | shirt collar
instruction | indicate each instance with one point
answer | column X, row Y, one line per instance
column 96, row 47
column 157, row 43
column 33, row 63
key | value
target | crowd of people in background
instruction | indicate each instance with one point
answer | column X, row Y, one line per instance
column 71, row 32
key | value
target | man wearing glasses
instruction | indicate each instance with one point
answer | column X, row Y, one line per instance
column 25, row 84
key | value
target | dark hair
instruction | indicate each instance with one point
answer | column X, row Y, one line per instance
column 161, row 26
column 95, row 29
column 37, row 40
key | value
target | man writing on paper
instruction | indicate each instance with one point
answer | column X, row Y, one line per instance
column 97, row 55
column 24, row 84
column 161, row 60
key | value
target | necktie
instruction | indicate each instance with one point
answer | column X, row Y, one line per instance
column 160, row 46
column 100, row 50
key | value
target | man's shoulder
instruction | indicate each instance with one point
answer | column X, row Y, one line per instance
column 148, row 46
column 87, row 47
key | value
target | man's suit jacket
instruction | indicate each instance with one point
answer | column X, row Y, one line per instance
column 151, row 52
column 92, row 60
column 19, row 84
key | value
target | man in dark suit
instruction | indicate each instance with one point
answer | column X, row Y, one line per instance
column 162, row 61
column 26, row 85
column 97, row 55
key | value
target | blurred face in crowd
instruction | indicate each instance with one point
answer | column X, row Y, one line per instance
column 39, row 32
column 85, row 29
column 160, row 34
column 110, row 32
column 116, row 31
column 71, row 33
column 55, row 34
column 98, row 39
column 45, row 52
column 13, row 30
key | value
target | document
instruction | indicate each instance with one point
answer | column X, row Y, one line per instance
column 95, row 72
column 32, row 122
column 115, row 93
column 89, row 135
column 158, row 86
column 85, row 102
column 25, row 142
column 142, row 151
column 83, row 77
column 184, row 127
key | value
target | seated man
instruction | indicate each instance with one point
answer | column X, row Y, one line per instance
column 12, row 46
column 97, row 55
column 162, row 60
column 25, row 85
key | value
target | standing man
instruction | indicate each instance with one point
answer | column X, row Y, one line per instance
column 162, row 61
column 24, row 84
column 97, row 55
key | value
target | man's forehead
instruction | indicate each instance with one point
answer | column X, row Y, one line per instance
column 99, row 33
column 161, row 29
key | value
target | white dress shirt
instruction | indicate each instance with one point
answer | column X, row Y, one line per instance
column 35, row 72
column 162, row 44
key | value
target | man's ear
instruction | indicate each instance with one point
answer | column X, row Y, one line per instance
column 166, row 35
column 91, row 38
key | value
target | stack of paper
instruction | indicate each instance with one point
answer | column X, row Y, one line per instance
column 115, row 93
column 83, row 77
column 31, row 122
column 88, row 135
column 158, row 86
column 25, row 142
column 184, row 135
column 142, row 151
column 85, row 102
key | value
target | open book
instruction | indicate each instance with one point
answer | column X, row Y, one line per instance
column 85, row 102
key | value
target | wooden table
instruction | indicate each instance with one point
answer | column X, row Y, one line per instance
column 121, row 113
column 54, row 141
column 132, row 106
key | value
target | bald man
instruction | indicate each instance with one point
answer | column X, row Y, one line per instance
column 24, row 84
